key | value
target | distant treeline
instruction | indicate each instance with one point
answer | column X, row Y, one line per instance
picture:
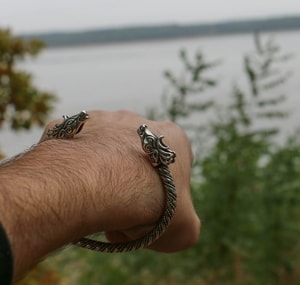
column 146, row 33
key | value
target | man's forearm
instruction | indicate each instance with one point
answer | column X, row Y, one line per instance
column 51, row 197
column 101, row 180
column 42, row 200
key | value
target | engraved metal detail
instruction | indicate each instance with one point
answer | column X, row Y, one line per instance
column 69, row 127
column 158, row 152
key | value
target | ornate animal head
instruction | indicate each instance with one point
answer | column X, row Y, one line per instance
column 69, row 127
column 158, row 152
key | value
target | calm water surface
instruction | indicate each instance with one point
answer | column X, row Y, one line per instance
column 130, row 76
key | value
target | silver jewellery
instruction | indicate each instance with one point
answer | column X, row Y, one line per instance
column 160, row 156
column 69, row 127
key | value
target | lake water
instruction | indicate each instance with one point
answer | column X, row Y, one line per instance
column 130, row 76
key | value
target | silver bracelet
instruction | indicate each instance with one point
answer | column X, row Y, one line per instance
column 160, row 156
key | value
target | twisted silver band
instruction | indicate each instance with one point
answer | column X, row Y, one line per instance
column 160, row 156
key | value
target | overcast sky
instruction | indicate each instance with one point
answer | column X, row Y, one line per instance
column 60, row 15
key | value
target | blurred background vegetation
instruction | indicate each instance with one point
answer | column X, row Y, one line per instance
column 22, row 105
column 245, row 185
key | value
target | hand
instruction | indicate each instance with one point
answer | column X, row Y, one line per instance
column 146, row 195
column 101, row 180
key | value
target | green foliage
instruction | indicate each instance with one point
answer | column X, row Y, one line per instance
column 180, row 101
column 21, row 103
column 246, row 189
column 182, row 98
column 280, row 212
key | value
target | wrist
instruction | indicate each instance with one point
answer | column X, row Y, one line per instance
column 128, row 190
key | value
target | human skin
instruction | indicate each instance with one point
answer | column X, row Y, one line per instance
column 101, row 180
